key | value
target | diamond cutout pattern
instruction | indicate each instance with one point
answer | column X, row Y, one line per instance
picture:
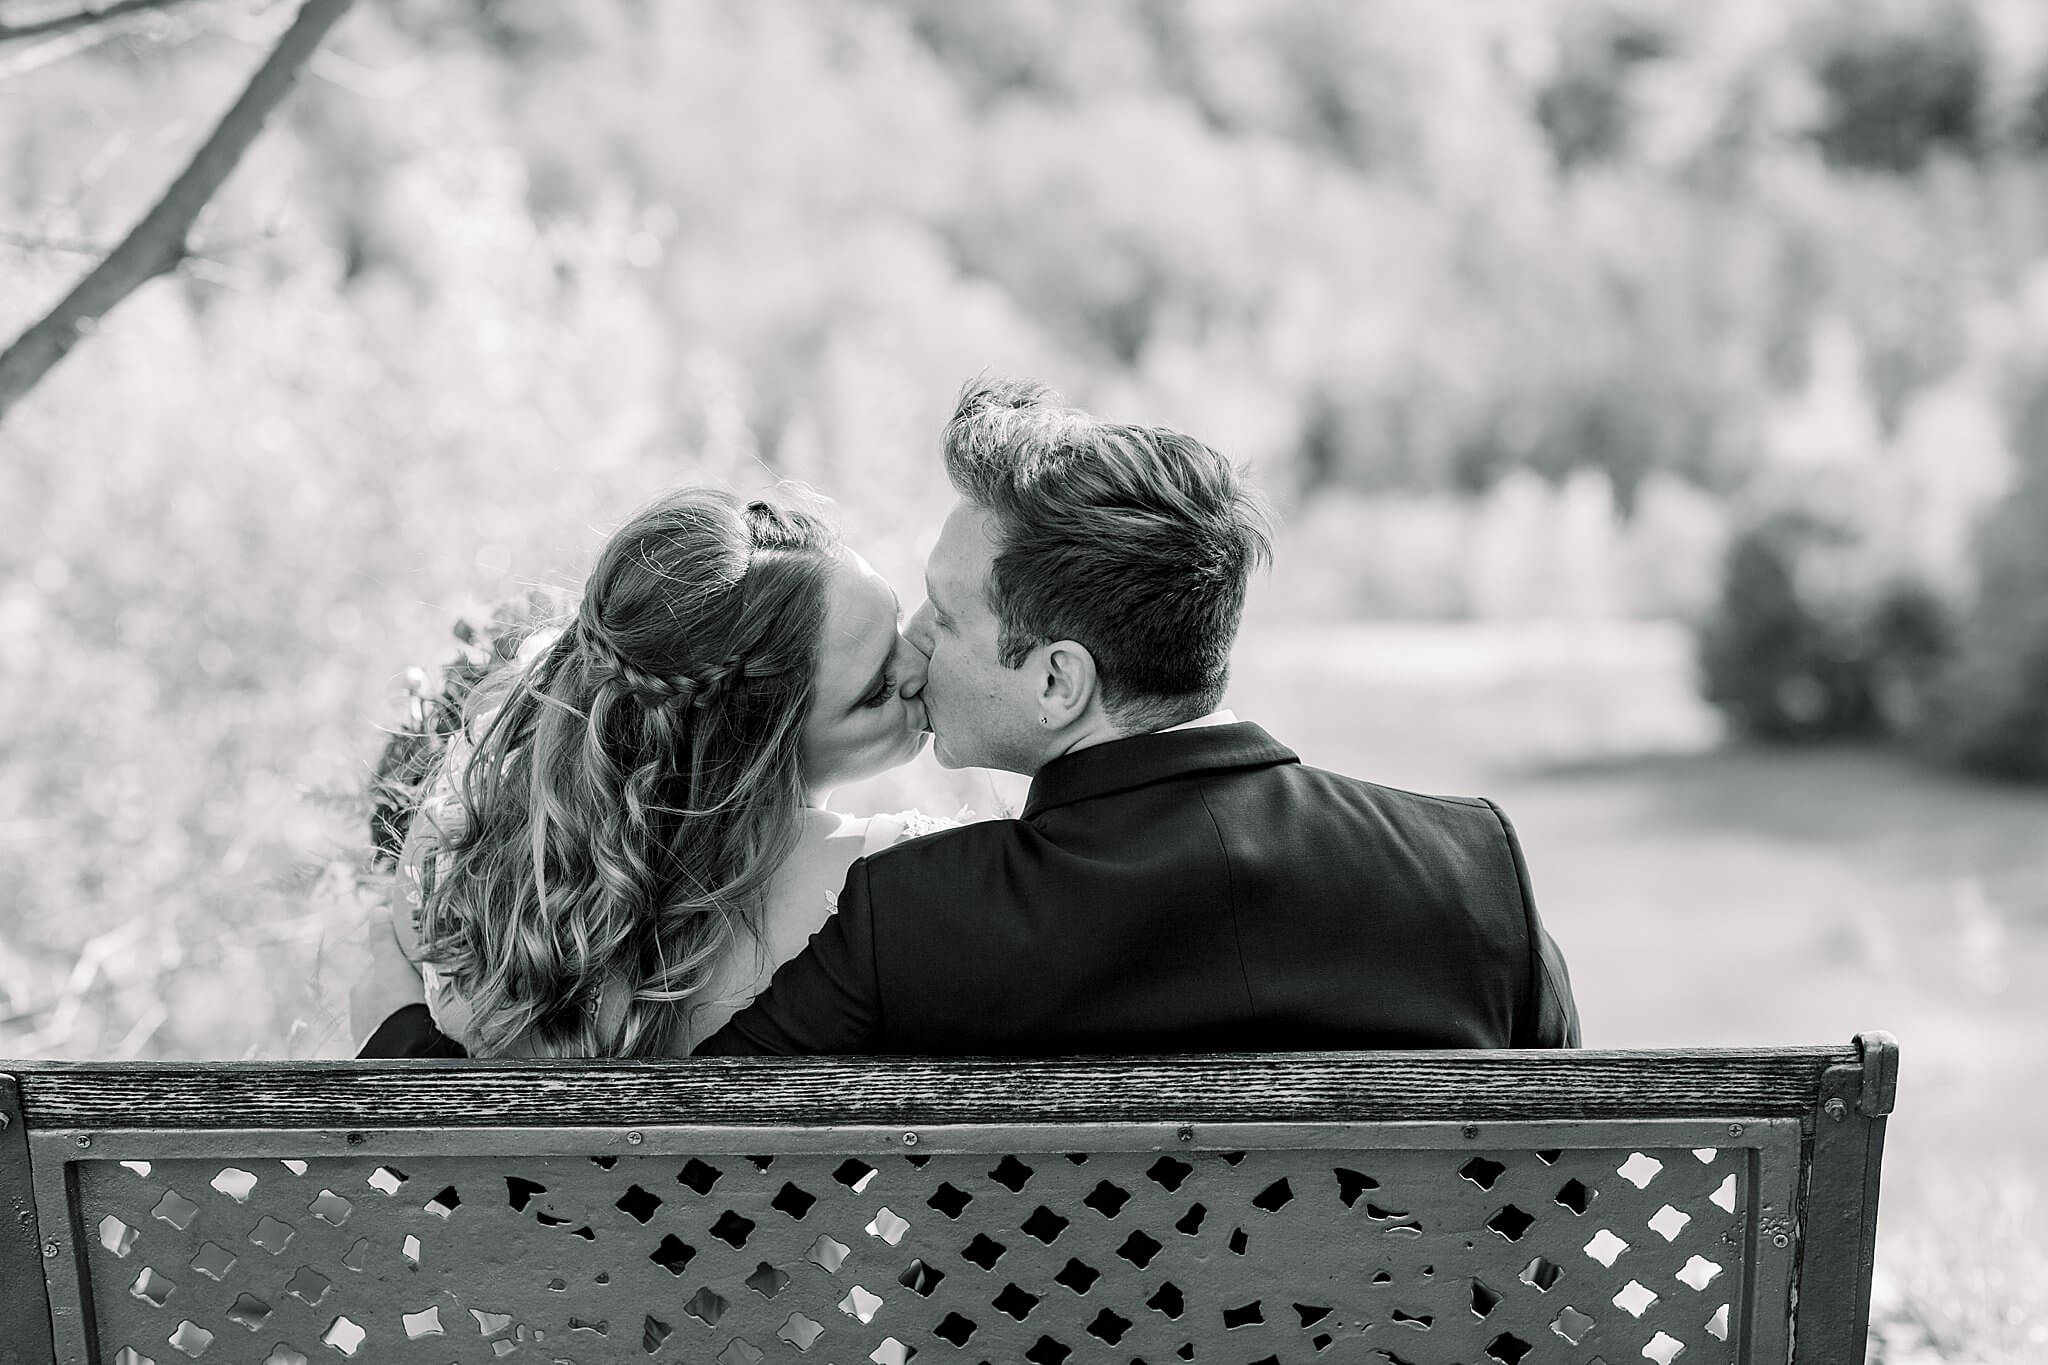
column 1064, row 1257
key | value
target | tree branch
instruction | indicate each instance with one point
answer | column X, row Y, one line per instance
column 85, row 18
column 24, row 241
column 218, row 255
column 156, row 245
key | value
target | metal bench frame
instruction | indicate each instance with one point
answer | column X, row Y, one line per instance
column 1804, row 1125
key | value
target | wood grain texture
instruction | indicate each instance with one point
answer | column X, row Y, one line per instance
column 1336, row 1087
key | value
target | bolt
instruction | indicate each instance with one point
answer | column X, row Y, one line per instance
column 84, row 1140
column 49, row 1250
column 1835, row 1110
column 1186, row 1134
column 635, row 1138
column 1781, row 1240
column 910, row 1139
column 1471, row 1130
column 1734, row 1130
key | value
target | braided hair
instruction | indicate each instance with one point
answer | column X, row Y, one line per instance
column 630, row 794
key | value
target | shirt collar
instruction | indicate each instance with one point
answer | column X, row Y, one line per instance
column 1224, row 717
column 1141, row 760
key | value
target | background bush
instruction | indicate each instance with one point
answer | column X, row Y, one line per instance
column 1838, row 615
column 1989, row 710
column 1993, row 698
column 1815, row 637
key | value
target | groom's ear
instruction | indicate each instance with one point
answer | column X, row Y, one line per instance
column 1066, row 681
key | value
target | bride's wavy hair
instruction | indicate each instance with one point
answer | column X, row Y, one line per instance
column 630, row 793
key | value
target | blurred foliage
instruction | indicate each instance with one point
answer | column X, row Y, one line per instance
column 1833, row 619
column 1813, row 638
column 1901, row 86
column 1990, row 707
column 1586, row 107
column 1515, row 307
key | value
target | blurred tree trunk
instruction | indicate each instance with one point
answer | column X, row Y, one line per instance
column 156, row 245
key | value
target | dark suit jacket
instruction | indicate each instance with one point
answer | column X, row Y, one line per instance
column 1190, row 891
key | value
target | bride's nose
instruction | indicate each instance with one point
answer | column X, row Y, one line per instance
column 912, row 668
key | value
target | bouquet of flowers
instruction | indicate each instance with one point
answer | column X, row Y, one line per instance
column 412, row 754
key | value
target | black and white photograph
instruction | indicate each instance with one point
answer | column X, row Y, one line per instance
column 1023, row 682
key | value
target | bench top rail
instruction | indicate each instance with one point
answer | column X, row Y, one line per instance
column 1764, row 1082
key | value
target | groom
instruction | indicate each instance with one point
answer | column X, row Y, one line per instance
column 1178, row 881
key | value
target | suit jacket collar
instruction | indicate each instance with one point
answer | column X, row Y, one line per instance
column 1141, row 760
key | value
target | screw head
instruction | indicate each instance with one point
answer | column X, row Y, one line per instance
column 635, row 1137
column 910, row 1139
column 1471, row 1130
column 1781, row 1240
column 49, row 1250
column 1186, row 1134
column 84, row 1140
column 1835, row 1110
column 1734, row 1130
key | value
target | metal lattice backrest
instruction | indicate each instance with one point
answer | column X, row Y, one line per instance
column 1021, row 1255
column 1408, row 1241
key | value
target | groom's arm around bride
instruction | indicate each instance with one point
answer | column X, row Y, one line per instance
column 1196, row 890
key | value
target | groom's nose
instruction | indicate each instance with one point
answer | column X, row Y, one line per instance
column 918, row 630
column 912, row 667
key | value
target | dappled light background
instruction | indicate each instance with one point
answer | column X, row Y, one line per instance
column 1654, row 397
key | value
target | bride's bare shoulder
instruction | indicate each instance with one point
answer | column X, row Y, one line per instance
column 827, row 844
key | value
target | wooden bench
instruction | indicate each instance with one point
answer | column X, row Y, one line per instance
column 1706, row 1206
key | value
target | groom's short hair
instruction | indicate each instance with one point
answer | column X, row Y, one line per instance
column 1137, row 542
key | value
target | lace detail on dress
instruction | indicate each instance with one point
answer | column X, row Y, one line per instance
column 917, row 824
column 894, row 828
column 437, row 821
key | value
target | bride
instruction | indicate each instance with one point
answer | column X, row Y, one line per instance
column 629, row 835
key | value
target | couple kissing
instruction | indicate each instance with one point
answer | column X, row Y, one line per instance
column 625, row 850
